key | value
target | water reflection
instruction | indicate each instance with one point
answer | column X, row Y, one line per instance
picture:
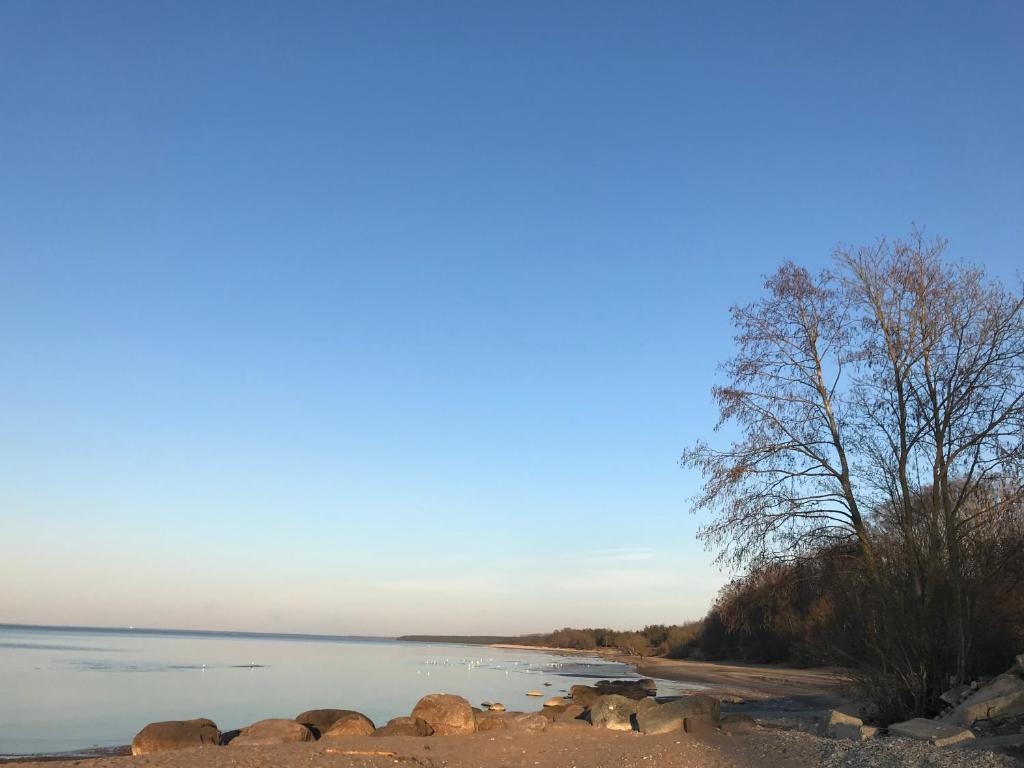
column 71, row 690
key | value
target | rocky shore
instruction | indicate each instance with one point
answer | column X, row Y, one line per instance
column 620, row 723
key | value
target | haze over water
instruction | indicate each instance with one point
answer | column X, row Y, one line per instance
column 65, row 690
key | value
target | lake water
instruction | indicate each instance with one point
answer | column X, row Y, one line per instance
column 69, row 689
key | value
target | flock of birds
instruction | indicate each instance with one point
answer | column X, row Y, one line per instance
column 471, row 664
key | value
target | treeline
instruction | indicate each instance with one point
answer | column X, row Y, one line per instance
column 652, row 640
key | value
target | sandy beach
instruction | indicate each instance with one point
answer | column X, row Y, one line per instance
column 566, row 747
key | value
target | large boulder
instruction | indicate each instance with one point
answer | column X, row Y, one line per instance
column 447, row 714
column 666, row 718
column 1003, row 697
column 405, row 726
column 613, row 712
column 351, row 724
column 175, row 734
column 320, row 720
column 272, row 731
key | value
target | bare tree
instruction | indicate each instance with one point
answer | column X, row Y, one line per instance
column 785, row 486
column 888, row 393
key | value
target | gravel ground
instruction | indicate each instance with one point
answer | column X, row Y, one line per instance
column 889, row 752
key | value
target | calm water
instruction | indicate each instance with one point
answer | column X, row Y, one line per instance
column 62, row 690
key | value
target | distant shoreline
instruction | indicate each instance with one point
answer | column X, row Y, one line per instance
column 194, row 632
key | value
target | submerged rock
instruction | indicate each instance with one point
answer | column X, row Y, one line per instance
column 175, row 734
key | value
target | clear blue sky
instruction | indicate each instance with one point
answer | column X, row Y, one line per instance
column 395, row 316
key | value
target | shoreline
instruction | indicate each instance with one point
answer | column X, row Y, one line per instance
column 734, row 682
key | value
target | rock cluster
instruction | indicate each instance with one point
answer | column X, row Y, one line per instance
column 992, row 708
column 612, row 705
column 1000, row 698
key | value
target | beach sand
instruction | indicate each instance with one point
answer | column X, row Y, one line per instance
column 570, row 747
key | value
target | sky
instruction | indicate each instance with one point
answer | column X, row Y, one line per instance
column 395, row 317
